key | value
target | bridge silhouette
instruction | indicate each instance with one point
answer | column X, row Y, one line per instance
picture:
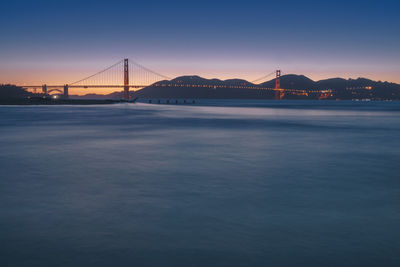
column 128, row 74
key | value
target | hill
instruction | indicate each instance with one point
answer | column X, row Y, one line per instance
column 292, row 81
column 9, row 91
column 198, row 87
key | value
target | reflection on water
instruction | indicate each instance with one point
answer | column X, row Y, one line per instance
column 220, row 183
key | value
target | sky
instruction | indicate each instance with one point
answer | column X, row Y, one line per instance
column 63, row 41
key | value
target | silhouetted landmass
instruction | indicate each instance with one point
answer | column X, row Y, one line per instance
column 293, row 81
column 183, row 89
column 360, row 88
column 9, row 91
column 113, row 95
column 191, row 87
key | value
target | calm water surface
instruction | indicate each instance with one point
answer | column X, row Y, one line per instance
column 219, row 183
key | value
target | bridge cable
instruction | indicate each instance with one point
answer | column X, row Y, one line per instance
column 119, row 62
column 262, row 78
column 149, row 70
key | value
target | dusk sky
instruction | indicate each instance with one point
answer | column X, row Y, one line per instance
column 62, row 41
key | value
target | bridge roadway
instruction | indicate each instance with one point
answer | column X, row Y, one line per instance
column 178, row 85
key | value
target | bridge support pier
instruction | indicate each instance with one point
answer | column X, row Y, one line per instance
column 279, row 95
column 44, row 89
column 66, row 91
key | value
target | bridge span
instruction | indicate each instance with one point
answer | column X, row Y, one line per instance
column 121, row 73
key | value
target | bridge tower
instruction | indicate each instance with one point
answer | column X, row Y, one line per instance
column 279, row 94
column 278, row 80
column 66, row 91
column 126, row 79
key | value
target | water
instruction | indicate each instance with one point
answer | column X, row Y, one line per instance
column 219, row 183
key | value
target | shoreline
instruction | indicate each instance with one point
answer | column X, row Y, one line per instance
column 42, row 101
column 49, row 101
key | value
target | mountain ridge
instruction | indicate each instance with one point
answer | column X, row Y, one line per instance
column 340, row 88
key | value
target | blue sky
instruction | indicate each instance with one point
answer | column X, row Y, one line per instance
column 53, row 41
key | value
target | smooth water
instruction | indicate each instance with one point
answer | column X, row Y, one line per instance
column 219, row 183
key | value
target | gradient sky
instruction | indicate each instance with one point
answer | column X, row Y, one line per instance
column 62, row 41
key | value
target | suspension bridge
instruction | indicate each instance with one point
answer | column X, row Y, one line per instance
column 128, row 74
